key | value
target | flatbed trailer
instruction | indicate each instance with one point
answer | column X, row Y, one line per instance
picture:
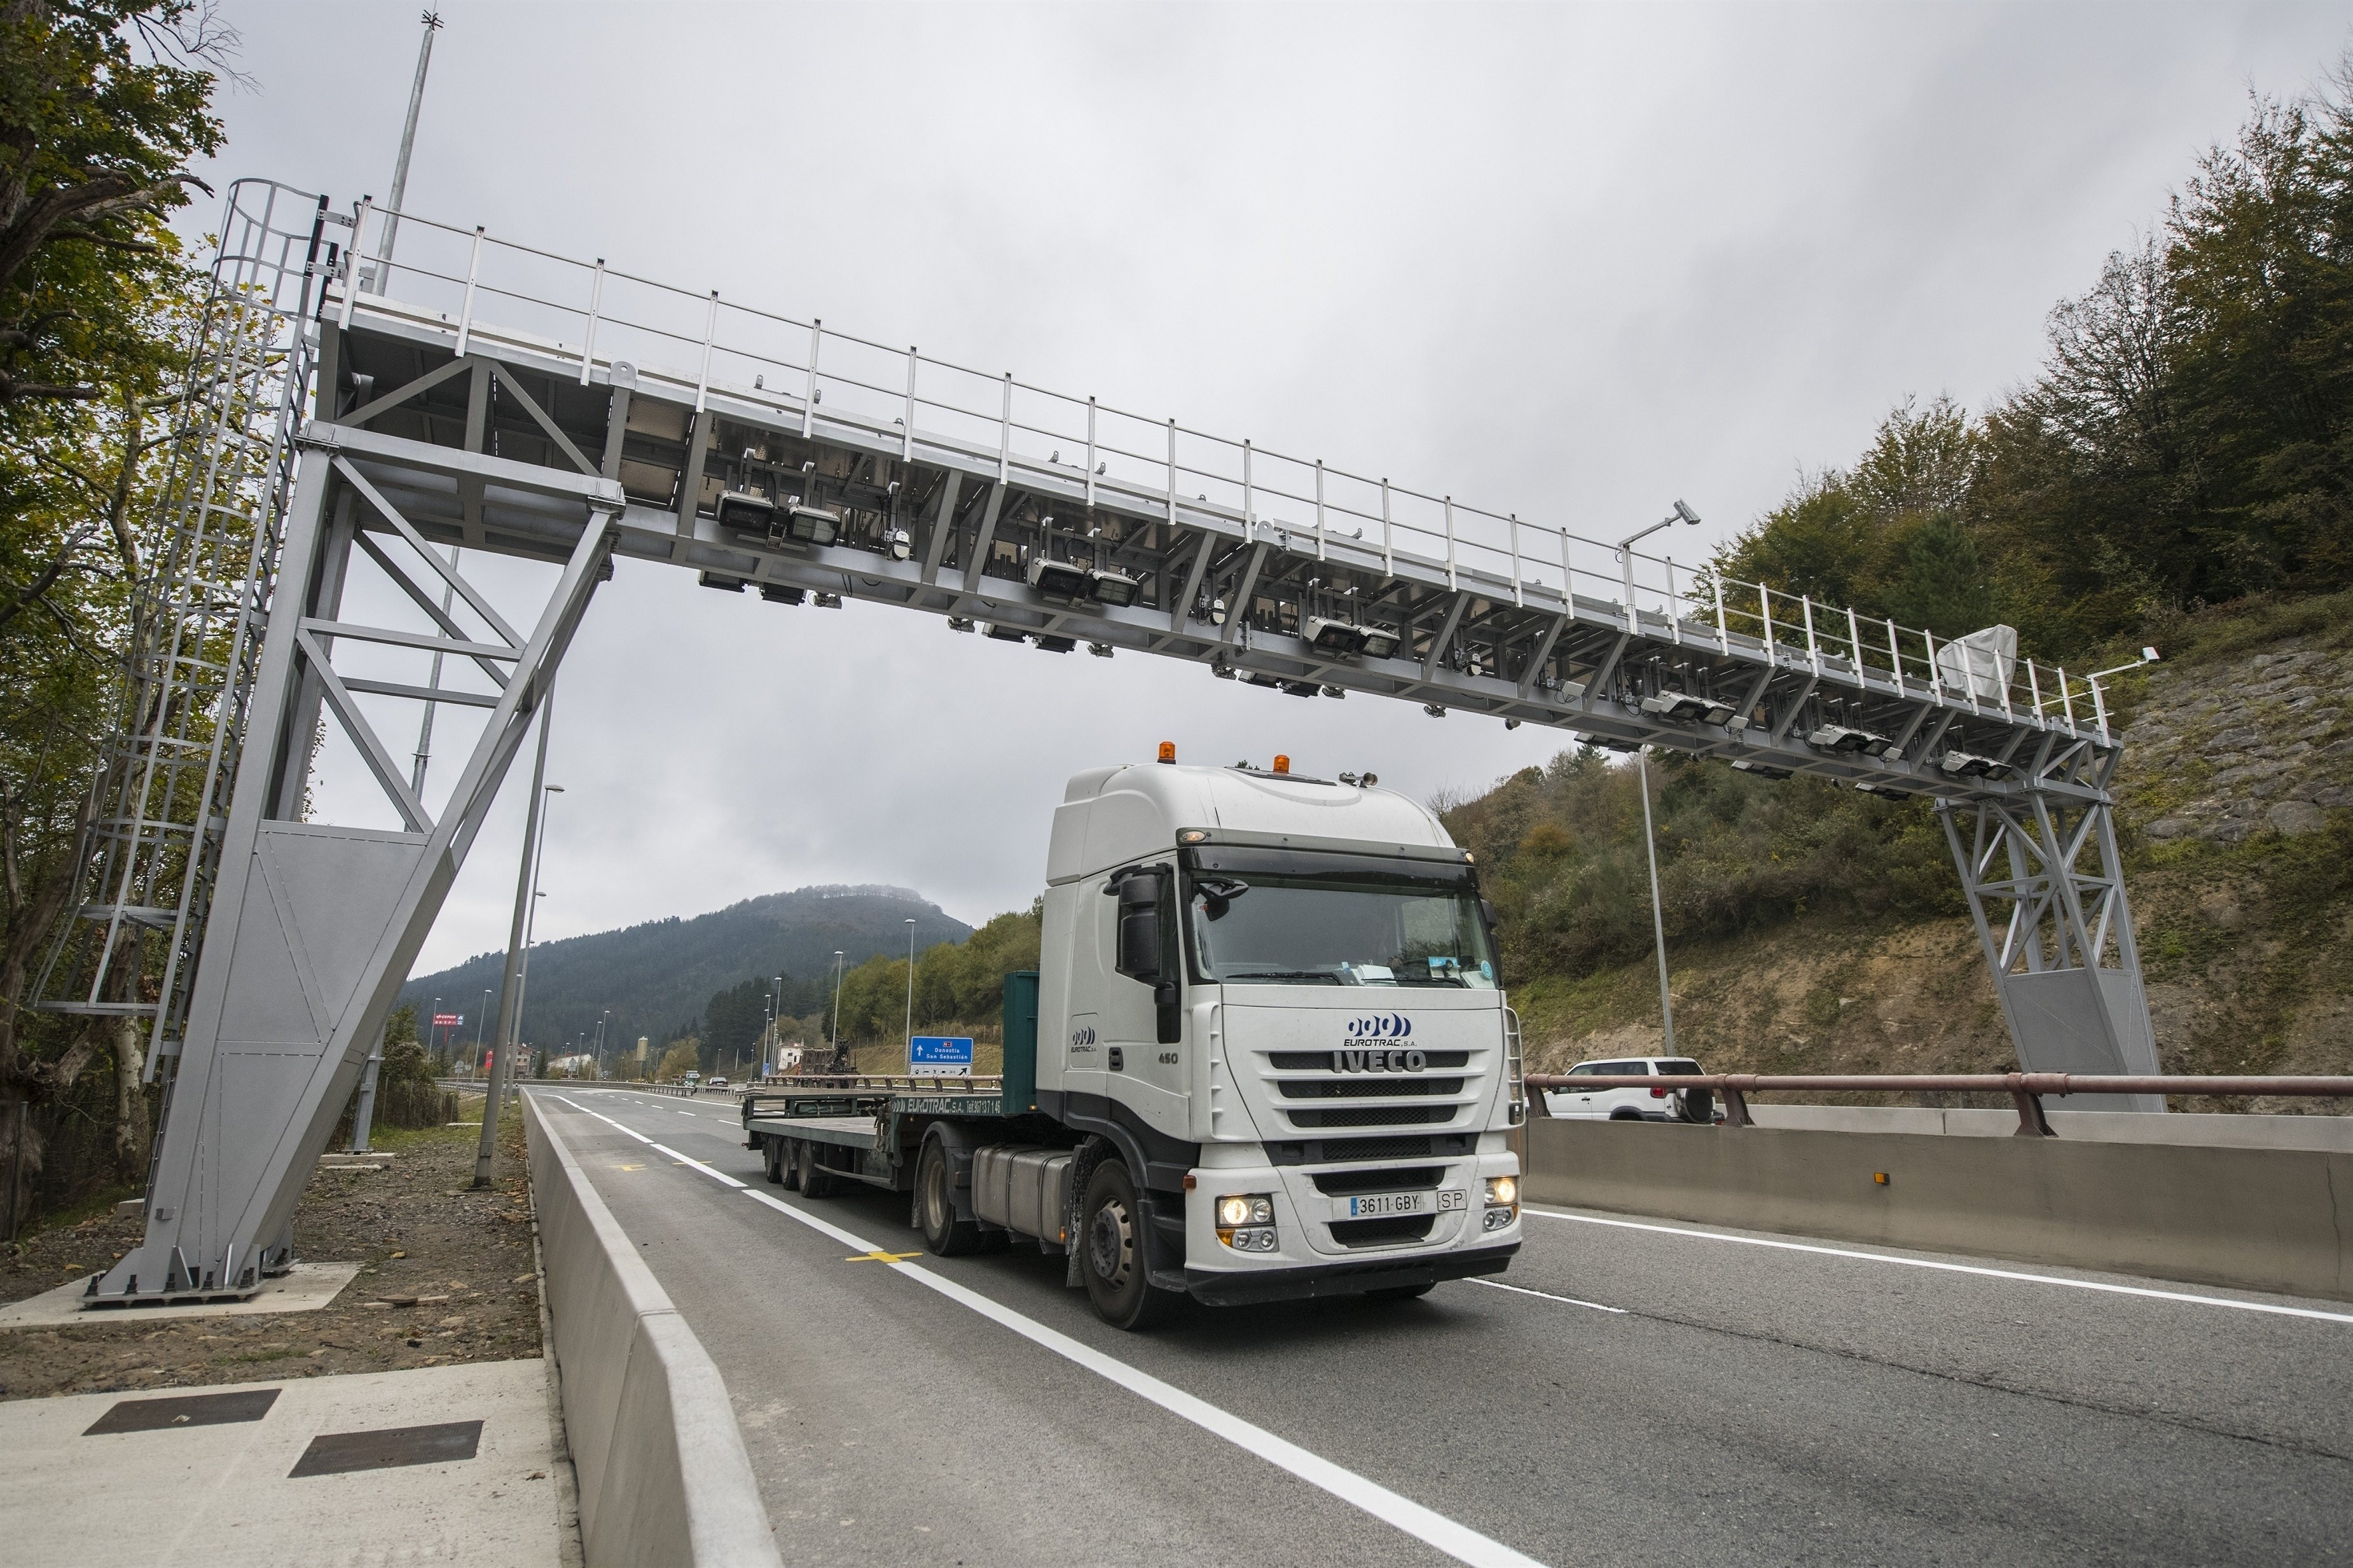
column 818, row 1133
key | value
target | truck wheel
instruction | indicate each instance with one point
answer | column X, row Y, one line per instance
column 943, row 1232
column 788, row 1162
column 816, row 1182
column 771, row 1157
column 1111, row 1253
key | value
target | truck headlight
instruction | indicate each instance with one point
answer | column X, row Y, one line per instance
column 1254, row 1238
column 1245, row 1208
column 1502, row 1191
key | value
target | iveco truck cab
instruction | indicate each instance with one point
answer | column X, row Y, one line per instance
column 1273, row 1001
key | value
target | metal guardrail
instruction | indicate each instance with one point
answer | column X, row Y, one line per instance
column 2026, row 1090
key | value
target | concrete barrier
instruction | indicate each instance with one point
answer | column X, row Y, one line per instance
column 2258, row 1219
column 664, row 1477
column 2204, row 1128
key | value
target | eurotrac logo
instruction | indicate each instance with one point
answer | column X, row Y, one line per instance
column 1377, row 1045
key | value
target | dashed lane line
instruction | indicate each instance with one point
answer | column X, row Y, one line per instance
column 1456, row 1541
column 2100, row 1285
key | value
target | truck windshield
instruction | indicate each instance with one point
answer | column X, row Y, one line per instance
column 1336, row 924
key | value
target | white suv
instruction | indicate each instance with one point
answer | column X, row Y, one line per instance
column 1659, row 1102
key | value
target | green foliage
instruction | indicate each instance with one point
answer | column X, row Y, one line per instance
column 959, row 982
column 679, row 1058
column 2189, row 440
column 1560, row 855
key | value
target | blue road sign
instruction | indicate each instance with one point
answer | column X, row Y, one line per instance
column 939, row 1056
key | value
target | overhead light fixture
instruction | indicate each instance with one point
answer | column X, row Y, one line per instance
column 1867, row 786
column 1381, row 642
column 1053, row 644
column 1300, row 688
column 1116, row 589
column 1057, row 579
column 959, row 623
column 783, row 594
column 1335, row 691
column 1760, row 770
column 1684, row 707
column 1434, row 710
column 1510, row 723
column 1259, row 678
column 1223, row 670
column 828, row 601
column 898, row 544
column 1004, row 633
column 725, row 585
column 1212, row 610
column 1339, row 640
column 1969, row 765
column 1843, row 738
column 743, row 512
column 1100, row 649
column 807, row 524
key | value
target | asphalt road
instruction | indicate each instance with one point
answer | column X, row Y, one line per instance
column 1742, row 1398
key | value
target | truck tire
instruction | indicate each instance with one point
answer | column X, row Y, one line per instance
column 936, row 1209
column 772, row 1159
column 788, row 1161
column 816, row 1182
column 1110, row 1245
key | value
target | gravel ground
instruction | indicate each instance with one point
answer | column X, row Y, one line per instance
column 455, row 1264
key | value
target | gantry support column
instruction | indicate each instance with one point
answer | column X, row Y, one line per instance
column 2047, row 892
column 314, row 927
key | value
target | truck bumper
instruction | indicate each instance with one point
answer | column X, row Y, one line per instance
column 1230, row 1288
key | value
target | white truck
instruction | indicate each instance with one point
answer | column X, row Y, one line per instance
column 1266, row 1056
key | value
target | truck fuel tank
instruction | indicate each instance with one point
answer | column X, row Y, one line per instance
column 1027, row 1191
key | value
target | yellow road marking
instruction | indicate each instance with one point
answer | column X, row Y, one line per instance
column 881, row 1257
column 629, row 1167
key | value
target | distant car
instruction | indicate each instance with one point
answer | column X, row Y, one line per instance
column 722, row 1082
column 1659, row 1102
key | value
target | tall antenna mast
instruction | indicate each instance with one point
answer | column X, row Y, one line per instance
column 408, row 144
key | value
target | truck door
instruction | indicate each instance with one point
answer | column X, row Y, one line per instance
column 1142, row 980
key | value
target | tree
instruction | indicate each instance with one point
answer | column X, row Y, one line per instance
column 102, row 104
column 680, row 1057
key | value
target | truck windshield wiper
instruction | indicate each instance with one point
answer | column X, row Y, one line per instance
column 1324, row 975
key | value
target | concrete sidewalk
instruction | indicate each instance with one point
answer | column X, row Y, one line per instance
column 444, row 1465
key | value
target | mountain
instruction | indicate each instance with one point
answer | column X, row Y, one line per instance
column 657, row 977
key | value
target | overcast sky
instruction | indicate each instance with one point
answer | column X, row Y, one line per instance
column 1571, row 262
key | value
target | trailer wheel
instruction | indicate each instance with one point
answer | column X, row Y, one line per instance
column 771, row 1157
column 788, row 1162
column 935, row 1210
column 816, row 1182
column 1110, row 1245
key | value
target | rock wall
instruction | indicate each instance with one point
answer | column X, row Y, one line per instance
column 2225, row 749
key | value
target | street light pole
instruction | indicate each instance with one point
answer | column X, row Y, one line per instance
column 837, row 1009
column 1658, row 920
column 511, row 983
column 1681, row 513
column 480, row 1014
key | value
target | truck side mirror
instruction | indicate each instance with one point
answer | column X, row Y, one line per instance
column 1139, row 955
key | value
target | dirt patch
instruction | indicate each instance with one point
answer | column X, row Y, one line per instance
column 460, row 1259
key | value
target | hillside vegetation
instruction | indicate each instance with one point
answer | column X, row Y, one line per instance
column 2179, row 472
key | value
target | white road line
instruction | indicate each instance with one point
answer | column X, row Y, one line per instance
column 1458, row 1541
column 1956, row 1267
column 1523, row 1291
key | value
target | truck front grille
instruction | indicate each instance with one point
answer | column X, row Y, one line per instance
column 1370, row 1115
column 1391, row 1179
column 1375, row 1232
column 1388, row 1087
